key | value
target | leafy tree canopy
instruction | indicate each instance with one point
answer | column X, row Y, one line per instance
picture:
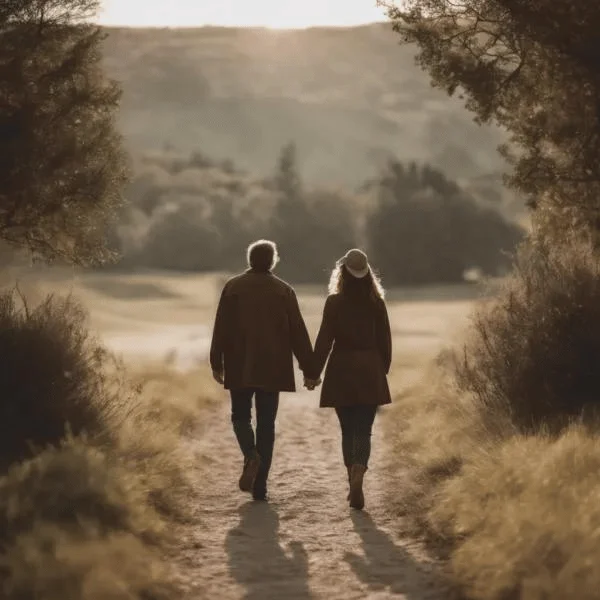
column 61, row 161
column 532, row 66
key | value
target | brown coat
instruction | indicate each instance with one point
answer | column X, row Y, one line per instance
column 258, row 329
column 359, row 332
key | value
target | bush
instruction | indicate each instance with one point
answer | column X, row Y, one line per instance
column 71, row 484
column 425, row 229
column 52, row 376
column 535, row 350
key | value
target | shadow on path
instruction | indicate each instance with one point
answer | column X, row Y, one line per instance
column 257, row 560
column 385, row 565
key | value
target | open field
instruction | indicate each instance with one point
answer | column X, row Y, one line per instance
column 168, row 317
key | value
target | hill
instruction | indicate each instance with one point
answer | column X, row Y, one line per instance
column 349, row 97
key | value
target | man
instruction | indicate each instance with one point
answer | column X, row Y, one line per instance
column 258, row 329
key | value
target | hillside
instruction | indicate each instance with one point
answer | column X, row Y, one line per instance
column 348, row 97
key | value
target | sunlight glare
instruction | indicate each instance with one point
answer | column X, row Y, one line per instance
column 275, row 14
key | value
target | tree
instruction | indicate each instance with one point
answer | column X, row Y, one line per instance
column 425, row 229
column 291, row 216
column 533, row 67
column 62, row 166
column 287, row 177
column 312, row 228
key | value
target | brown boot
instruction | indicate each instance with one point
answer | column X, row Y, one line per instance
column 357, row 498
column 251, row 466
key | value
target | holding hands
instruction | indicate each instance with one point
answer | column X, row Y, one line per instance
column 311, row 384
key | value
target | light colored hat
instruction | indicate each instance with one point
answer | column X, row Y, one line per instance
column 356, row 262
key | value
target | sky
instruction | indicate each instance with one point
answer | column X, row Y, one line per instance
column 239, row 13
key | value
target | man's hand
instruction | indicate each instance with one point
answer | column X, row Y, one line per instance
column 311, row 384
column 219, row 377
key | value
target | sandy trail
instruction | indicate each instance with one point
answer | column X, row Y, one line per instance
column 306, row 542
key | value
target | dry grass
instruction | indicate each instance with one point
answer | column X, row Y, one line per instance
column 499, row 457
column 156, row 438
column 73, row 525
column 96, row 464
column 526, row 519
column 433, row 430
column 514, row 516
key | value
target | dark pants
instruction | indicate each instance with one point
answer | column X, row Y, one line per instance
column 357, row 424
column 267, row 404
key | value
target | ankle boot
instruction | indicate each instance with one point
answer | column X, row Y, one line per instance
column 251, row 466
column 357, row 498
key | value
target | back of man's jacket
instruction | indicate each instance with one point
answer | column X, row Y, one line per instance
column 258, row 329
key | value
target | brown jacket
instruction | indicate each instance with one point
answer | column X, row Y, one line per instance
column 359, row 332
column 258, row 329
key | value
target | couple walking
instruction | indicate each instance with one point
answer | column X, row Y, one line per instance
column 259, row 329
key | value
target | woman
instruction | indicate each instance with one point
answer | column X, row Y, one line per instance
column 355, row 324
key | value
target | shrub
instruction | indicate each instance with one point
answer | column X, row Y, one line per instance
column 426, row 229
column 51, row 376
column 56, row 379
column 499, row 479
column 535, row 350
column 71, row 484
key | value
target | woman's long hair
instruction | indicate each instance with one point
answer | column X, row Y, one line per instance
column 367, row 287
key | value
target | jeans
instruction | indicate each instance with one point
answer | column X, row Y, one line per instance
column 267, row 404
column 357, row 424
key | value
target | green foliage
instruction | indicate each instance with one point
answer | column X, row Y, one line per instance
column 61, row 162
column 532, row 67
column 425, row 229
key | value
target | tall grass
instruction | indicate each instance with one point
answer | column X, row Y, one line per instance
column 94, row 465
column 73, row 525
column 503, row 451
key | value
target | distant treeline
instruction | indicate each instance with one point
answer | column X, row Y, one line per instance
column 197, row 214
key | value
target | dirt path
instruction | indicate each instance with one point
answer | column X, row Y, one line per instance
column 306, row 542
